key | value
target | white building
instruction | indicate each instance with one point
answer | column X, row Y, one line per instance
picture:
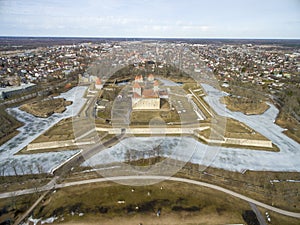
column 145, row 98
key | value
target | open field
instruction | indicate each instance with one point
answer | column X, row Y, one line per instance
column 279, row 219
column 273, row 188
column 8, row 126
column 99, row 201
column 234, row 129
column 279, row 189
column 190, row 85
column 12, row 208
column 144, row 117
column 291, row 124
column 185, row 203
column 61, row 131
column 13, row 183
column 244, row 105
column 46, row 107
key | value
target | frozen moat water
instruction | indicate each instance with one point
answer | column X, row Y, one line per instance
column 11, row 164
column 233, row 159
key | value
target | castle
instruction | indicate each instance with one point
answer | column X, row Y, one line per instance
column 146, row 94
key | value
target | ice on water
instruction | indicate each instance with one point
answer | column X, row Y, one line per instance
column 11, row 164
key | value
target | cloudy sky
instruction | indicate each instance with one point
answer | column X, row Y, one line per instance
column 151, row 18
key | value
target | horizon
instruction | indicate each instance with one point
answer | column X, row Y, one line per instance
column 232, row 19
column 164, row 38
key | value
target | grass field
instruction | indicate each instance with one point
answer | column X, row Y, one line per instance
column 8, row 126
column 244, row 106
column 291, row 124
column 46, row 107
column 12, row 208
column 179, row 203
column 232, row 128
column 144, row 117
column 61, row 131
column 273, row 188
column 279, row 219
column 185, row 203
column 255, row 184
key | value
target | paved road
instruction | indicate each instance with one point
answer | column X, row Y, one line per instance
column 20, row 219
column 259, row 216
column 177, row 179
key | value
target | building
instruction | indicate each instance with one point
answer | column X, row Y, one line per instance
column 145, row 95
column 151, row 77
column 139, row 79
column 16, row 90
column 98, row 84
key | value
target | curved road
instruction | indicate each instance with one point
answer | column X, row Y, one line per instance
column 52, row 185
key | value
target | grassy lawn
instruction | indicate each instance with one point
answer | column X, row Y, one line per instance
column 13, row 183
column 46, row 107
column 255, row 184
column 105, row 114
column 8, row 126
column 193, row 85
column 144, row 117
column 179, row 203
column 291, row 124
column 12, row 208
column 61, row 131
column 279, row 219
column 245, row 106
column 237, row 129
column 232, row 129
column 183, row 202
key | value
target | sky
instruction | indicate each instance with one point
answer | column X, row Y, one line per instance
column 151, row 18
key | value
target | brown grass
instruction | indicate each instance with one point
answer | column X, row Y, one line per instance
column 291, row 124
column 232, row 128
column 61, row 131
column 8, row 126
column 144, row 117
column 244, row 106
column 46, row 107
column 186, row 203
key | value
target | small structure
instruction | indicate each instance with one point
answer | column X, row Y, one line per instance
column 137, row 90
column 156, row 86
column 144, row 98
column 98, row 84
column 16, row 90
column 139, row 79
column 151, row 77
column 147, row 95
column 158, row 213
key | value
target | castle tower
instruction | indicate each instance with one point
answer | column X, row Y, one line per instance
column 139, row 79
column 98, row 83
column 155, row 86
column 151, row 77
column 137, row 89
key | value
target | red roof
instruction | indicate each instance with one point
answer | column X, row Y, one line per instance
column 136, row 85
column 149, row 93
column 98, row 81
column 136, row 95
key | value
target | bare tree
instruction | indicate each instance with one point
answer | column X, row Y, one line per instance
column 127, row 156
column 29, row 166
column 14, row 166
